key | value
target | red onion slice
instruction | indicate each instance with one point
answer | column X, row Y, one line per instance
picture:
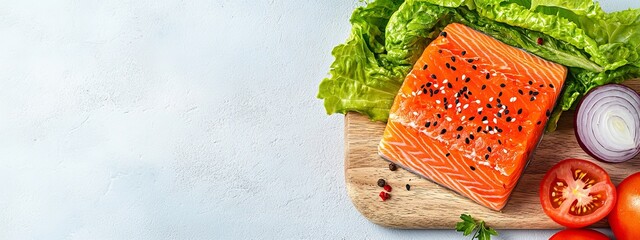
column 607, row 123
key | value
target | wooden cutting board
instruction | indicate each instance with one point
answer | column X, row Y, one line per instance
column 428, row 205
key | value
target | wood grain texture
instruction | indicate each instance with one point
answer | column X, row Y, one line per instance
column 430, row 206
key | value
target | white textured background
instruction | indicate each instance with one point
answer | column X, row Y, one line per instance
column 176, row 120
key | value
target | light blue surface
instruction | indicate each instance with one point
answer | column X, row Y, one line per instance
column 176, row 120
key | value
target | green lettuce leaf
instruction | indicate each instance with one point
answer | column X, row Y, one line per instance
column 361, row 79
column 389, row 36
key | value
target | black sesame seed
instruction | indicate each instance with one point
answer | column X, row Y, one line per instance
column 520, row 111
column 519, row 128
column 472, row 168
column 466, row 140
column 443, row 131
column 433, row 76
column 471, row 118
column 459, row 128
column 503, row 85
column 489, row 149
column 425, row 67
column 447, row 65
column 551, row 85
column 453, row 68
column 548, row 113
column 464, row 53
column 453, row 59
column 486, row 157
column 427, row 124
column 488, row 76
column 483, row 87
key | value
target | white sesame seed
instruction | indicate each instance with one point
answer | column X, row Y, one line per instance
column 449, row 119
column 438, row 101
column 491, row 99
column 495, row 120
column 513, row 99
column 465, row 106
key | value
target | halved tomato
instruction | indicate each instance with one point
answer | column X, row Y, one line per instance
column 579, row 234
column 577, row 193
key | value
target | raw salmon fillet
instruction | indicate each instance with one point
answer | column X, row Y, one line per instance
column 470, row 114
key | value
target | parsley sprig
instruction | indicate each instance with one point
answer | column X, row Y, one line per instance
column 479, row 229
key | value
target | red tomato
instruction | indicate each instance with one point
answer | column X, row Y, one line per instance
column 579, row 234
column 626, row 213
column 577, row 193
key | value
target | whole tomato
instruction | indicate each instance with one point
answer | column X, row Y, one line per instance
column 625, row 216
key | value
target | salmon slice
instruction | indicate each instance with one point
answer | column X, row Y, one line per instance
column 470, row 113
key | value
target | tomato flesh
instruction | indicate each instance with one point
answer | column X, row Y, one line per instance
column 579, row 234
column 624, row 217
column 577, row 193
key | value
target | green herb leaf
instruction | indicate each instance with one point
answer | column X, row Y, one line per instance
column 479, row 229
